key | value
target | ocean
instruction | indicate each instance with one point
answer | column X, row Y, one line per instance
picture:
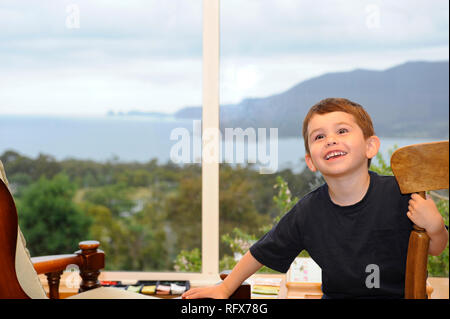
column 141, row 139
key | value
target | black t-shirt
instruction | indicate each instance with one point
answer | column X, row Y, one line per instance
column 352, row 244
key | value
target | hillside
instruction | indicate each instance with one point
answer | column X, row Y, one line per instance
column 410, row 100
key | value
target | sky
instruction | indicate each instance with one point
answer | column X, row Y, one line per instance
column 83, row 57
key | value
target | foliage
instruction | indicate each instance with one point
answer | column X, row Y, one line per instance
column 48, row 217
column 239, row 241
column 189, row 261
column 240, row 195
column 380, row 166
column 115, row 197
column 283, row 200
column 183, row 208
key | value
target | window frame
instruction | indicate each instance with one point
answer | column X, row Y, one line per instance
column 210, row 165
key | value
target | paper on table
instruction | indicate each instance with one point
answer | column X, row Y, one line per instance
column 163, row 289
column 177, row 289
column 265, row 290
column 265, row 281
column 304, row 270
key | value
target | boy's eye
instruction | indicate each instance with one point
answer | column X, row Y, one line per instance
column 318, row 137
column 342, row 130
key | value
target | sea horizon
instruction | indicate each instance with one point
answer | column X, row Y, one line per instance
column 132, row 139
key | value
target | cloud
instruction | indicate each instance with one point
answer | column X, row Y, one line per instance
column 163, row 85
column 115, row 16
column 135, row 54
column 273, row 27
column 147, row 54
column 288, row 41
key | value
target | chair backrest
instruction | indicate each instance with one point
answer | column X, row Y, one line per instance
column 419, row 168
column 18, row 279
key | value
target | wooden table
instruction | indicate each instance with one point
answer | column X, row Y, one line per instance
column 287, row 290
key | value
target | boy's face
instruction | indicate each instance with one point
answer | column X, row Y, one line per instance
column 337, row 145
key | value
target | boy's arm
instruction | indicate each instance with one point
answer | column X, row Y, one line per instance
column 246, row 267
column 424, row 213
column 438, row 241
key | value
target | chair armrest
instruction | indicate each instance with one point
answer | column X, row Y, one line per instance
column 242, row 292
column 55, row 263
column 89, row 259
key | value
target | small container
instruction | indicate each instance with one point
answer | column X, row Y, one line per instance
column 134, row 288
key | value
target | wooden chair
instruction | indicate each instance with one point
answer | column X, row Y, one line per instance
column 419, row 168
column 19, row 273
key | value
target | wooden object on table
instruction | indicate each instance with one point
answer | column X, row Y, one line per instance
column 304, row 279
column 440, row 287
column 419, row 168
column 304, row 290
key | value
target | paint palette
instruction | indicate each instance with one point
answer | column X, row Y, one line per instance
column 159, row 288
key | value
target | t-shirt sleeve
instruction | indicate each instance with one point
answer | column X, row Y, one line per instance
column 278, row 248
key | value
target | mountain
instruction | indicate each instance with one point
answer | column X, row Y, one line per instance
column 409, row 100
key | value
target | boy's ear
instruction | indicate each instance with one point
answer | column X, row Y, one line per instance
column 372, row 146
column 310, row 163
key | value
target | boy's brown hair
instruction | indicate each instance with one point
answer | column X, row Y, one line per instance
column 329, row 105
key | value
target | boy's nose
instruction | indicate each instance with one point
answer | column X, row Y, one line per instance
column 331, row 141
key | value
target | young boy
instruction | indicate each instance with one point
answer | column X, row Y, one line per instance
column 354, row 224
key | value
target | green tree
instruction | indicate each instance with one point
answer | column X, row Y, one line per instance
column 115, row 197
column 110, row 232
column 49, row 219
column 183, row 223
column 146, row 240
column 380, row 166
column 237, row 203
column 189, row 261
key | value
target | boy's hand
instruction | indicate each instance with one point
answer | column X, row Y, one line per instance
column 215, row 292
column 424, row 213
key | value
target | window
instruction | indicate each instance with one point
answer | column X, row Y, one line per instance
column 147, row 75
column 92, row 97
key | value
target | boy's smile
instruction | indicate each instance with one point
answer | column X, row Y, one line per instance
column 337, row 144
column 332, row 155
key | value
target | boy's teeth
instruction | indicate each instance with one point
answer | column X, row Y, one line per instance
column 335, row 154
